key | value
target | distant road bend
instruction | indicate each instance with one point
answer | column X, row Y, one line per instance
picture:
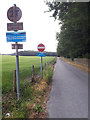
column 69, row 94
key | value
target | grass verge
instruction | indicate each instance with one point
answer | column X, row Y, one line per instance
column 33, row 97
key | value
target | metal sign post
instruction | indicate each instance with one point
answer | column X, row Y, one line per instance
column 41, row 69
column 41, row 48
column 17, row 72
column 17, row 59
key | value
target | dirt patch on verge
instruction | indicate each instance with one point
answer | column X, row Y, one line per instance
column 78, row 65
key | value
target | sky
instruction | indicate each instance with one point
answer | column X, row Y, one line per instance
column 39, row 26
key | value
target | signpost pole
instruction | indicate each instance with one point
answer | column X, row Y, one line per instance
column 41, row 69
column 14, row 14
column 41, row 48
column 17, row 62
column 17, row 72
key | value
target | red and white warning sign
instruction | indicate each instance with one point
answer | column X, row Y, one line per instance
column 41, row 47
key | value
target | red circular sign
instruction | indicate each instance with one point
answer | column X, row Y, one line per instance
column 14, row 14
column 41, row 47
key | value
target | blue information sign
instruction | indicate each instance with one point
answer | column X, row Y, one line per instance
column 16, row 36
column 41, row 54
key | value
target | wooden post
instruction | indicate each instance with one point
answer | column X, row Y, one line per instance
column 45, row 65
column 14, row 81
column 32, row 73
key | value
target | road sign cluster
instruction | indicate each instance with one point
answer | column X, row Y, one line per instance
column 14, row 14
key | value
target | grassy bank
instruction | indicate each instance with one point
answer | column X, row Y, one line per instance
column 32, row 99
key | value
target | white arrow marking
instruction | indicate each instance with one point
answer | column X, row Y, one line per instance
column 41, row 47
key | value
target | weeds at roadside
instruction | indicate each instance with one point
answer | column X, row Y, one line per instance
column 31, row 97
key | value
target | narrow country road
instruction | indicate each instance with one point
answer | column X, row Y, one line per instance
column 69, row 94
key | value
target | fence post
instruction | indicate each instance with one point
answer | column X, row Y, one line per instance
column 45, row 65
column 14, row 81
column 32, row 73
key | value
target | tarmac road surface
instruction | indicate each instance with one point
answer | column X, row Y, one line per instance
column 69, row 94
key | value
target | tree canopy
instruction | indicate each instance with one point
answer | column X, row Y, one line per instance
column 73, row 39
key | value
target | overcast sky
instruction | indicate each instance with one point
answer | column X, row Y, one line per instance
column 39, row 26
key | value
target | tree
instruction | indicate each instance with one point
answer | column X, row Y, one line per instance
column 73, row 38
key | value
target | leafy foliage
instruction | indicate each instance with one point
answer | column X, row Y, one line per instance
column 73, row 38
